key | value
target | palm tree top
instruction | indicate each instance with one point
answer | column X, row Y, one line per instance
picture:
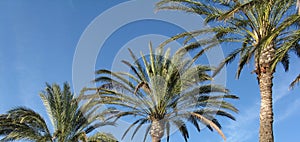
column 255, row 24
column 70, row 121
column 164, row 90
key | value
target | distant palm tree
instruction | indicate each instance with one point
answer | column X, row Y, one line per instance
column 164, row 91
column 70, row 121
column 262, row 27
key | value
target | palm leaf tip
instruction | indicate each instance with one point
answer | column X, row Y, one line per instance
column 210, row 123
column 296, row 81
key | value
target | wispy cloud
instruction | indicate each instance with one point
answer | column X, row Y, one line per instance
column 281, row 93
column 244, row 127
column 293, row 107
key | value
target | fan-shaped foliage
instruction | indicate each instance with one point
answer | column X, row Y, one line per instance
column 70, row 121
column 164, row 91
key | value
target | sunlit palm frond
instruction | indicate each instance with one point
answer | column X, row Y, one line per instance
column 23, row 123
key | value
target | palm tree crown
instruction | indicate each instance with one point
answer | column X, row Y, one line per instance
column 164, row 91
column 255, row 24
column 70, row 121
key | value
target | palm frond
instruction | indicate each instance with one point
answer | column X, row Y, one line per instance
column 210, row 123
column 297, row 80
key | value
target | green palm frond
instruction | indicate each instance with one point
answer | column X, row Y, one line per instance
column 209, row 123
column 23, row 123
column 102, row 137
column 180, row 125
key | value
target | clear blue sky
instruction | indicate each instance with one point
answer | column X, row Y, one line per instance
column 38, row 41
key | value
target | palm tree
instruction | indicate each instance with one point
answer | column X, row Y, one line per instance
column 262, row 27
column 164, row 91
column 70, row 121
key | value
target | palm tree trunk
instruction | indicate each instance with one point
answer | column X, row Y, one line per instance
column 157, row 130
column 155, row 139
column 266, row 108
column 265, row 77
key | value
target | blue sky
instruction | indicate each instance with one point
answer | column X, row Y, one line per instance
column 40, row 39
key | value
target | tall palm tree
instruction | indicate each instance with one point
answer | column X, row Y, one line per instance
column 164, row 91
column 262, row 27
column 70, row 121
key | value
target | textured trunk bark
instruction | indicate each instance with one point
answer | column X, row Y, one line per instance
column 266, row 108
column 265, row 77
column 157, row 130
column 155, row 139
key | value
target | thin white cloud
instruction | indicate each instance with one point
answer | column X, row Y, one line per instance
column 244, row 127
column 293, row 107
